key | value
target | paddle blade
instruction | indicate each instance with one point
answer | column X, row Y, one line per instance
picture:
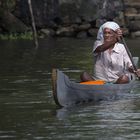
column 96, row 82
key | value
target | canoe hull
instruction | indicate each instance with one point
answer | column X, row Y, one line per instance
column 67, row 93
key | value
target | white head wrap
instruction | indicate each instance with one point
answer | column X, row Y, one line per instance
column 111, row 25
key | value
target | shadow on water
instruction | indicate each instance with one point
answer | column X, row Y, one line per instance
column 27, row 108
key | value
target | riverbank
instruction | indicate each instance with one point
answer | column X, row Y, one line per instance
column 74, row 31
column 62, row 18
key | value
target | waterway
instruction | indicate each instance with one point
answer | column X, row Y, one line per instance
column 27, row 108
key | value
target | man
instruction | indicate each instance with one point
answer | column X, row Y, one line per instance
column 112, row 63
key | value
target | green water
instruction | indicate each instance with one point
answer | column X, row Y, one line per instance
column 27, row 108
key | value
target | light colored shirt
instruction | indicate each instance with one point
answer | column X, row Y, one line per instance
column 110, row 66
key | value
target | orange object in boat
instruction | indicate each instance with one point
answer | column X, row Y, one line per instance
column 96, row 82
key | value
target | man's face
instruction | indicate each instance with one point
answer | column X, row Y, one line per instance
column 109, row 35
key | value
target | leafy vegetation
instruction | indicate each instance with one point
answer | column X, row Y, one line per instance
column 15, row 36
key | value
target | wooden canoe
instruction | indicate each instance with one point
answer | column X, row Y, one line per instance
column 67, row 92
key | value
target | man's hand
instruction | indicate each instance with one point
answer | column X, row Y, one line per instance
column 130, row 68
column 119, row 33
column 137, row 72
column 133, row 71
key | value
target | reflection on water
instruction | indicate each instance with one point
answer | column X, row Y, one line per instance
column 113, row 120
column 27, row 108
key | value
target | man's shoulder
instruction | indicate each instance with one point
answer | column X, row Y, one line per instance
column 119, row 47
column 119, row 44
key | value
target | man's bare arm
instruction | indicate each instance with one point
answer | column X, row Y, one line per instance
column 104, row 46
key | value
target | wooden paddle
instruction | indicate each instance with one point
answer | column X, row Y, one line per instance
column 130, row 56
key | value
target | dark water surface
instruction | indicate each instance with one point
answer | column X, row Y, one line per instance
column 27, row 108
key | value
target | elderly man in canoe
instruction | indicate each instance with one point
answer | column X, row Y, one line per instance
column 112, row 63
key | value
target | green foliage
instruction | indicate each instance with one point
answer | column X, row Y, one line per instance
column 16, row 36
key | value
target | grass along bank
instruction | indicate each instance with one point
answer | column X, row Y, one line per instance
column 16, row 36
